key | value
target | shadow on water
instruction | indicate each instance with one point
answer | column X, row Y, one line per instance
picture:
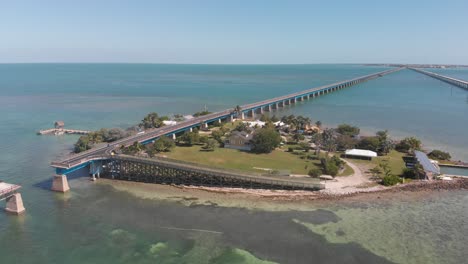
column 47, row 184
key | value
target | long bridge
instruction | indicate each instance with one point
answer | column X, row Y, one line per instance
column 457, row 82
column 99, row 154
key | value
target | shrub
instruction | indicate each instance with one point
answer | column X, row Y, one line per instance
column 439, row 154
column 408, row 173
column 315, row 172
column 331, row 169
column 391, row 180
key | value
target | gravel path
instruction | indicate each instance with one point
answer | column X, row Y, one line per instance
column 350, row 184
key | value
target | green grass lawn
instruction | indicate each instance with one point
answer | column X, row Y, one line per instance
column 245, row 161
column 395, row 161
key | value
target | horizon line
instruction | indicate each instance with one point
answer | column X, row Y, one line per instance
column 245, row 64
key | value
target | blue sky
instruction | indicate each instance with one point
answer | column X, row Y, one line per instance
column 225, row 32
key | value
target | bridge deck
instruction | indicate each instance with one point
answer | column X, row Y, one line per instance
column 447, row 79
column 81, row 158
column 7, row 189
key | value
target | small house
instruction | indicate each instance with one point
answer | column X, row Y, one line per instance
column 59, row 124
column 239, row 140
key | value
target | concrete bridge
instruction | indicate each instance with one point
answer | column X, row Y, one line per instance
column 89, row 157
column 460, row 83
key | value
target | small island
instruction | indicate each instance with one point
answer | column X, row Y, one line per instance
column 341, row 159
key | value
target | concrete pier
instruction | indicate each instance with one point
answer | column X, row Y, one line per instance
column 60, row 183
column 14, row 204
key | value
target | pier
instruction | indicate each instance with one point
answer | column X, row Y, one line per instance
column 457, row 82
column 57, row 132
column 59, row 129
column 94, row 158
column 14, row 202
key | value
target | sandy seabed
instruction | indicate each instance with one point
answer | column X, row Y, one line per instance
column 278, row 200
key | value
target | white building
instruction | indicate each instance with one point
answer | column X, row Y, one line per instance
column 169, row 122
column 360, row 153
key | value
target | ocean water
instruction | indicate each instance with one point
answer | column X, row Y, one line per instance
column 458, row 73
column 97, row 224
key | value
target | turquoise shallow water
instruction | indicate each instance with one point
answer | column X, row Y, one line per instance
column 95, row 224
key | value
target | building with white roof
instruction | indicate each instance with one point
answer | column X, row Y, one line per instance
column 360, row 153
column 169, row 122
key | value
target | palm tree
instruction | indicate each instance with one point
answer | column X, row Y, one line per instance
column 237, row 109
column 318, row 124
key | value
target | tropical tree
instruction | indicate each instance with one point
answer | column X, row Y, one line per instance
column 318, row 124
column 162, row 144
column 242, row 127
column 328, row 140
column 210, row 145
column 265, row 140
column 189, row 138
column 387, row 171
column 348, row 130
column 439, row 155
column 317, row 139
column 408, row 145
column 376, row 172
column 217, row 135
column 369, row 143
column 237, row 110
column 345, row 142
column 385, row 143
column 153, row 120
column 298, row 137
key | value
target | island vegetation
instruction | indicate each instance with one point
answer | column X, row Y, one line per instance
column 292, row 143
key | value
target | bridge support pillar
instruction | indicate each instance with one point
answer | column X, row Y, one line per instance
column 252, row 112
column 191, row 129
column 60, row 183
column 173, row 136
column 261, row 109
column 231, row 118
column 242, row 115
column 14, row 204
column 269, row 108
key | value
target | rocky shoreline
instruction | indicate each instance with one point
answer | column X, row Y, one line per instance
column 417, row 186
